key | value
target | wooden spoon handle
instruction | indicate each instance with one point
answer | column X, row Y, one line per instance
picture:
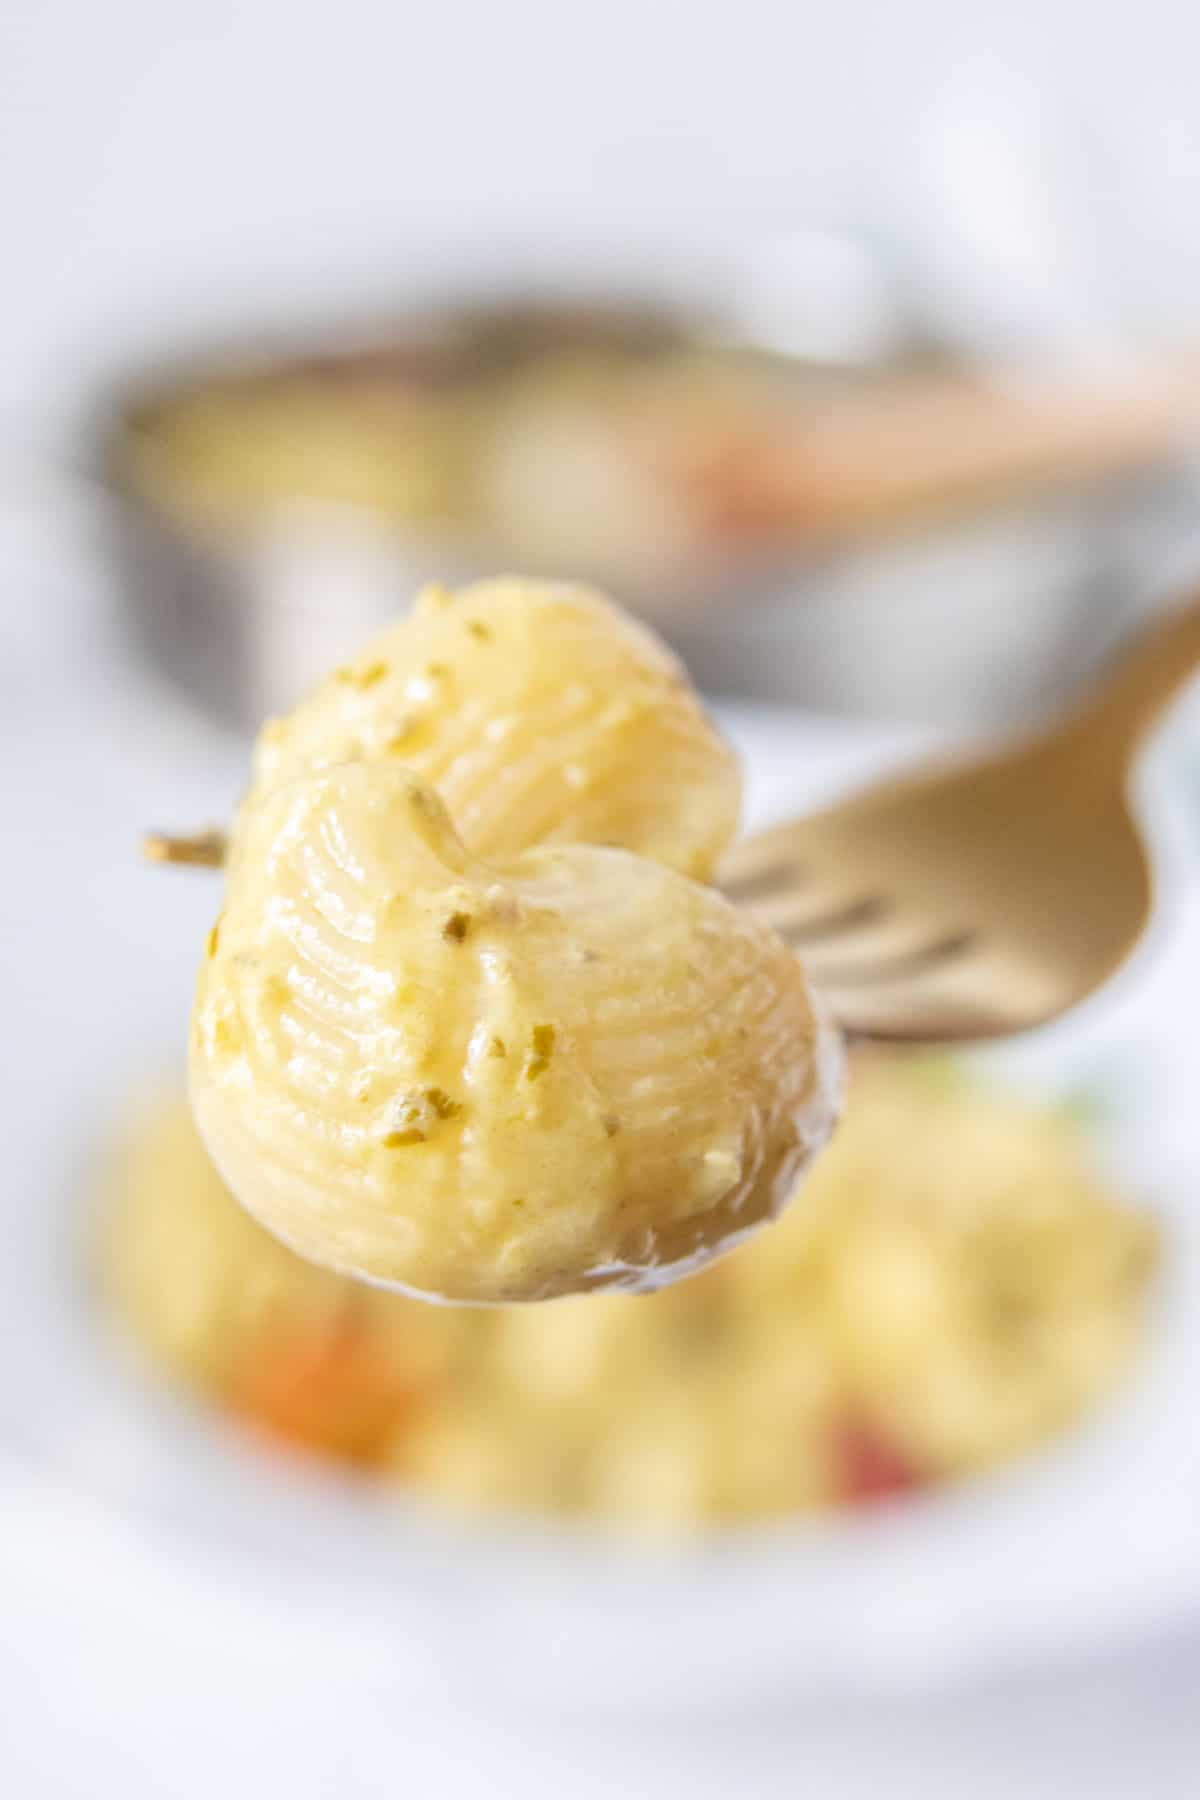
column 927, row 441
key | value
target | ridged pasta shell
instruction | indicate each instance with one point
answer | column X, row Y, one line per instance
column 541, row 713
column 571, row 1069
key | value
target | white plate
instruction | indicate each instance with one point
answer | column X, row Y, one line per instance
column 109, row 1486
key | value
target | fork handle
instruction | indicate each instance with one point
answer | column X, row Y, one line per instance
column 1149, row 671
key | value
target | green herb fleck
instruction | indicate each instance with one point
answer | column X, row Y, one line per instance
column 366, row 677
column 1086, row 1105
column 538, row 1060
column 442, row 1104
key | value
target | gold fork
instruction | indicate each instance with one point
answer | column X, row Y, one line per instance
column 975, row 899
column 969, row 900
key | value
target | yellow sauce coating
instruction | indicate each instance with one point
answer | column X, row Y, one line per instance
column 565, row 1070
column 958, row 1285
column 541, row 712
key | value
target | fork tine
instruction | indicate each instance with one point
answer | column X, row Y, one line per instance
column 913, row 1016
column 202, row 850
column 761, row 863
column 873, row 971
column 758, row 884
column 976, row 990
column 803, row 923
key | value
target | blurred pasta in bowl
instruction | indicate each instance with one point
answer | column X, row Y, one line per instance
column 960, row 1286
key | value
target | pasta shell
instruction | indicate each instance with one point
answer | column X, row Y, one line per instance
column 541, row 713
column 569, row 1069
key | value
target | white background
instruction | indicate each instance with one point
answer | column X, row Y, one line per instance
column 166, row 165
